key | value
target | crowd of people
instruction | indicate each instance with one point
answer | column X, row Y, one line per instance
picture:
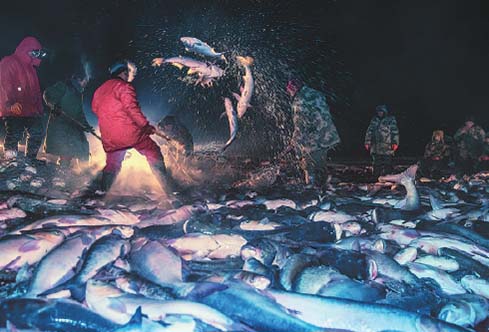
column 123, row 125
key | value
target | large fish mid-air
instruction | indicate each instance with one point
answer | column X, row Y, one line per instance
column 233, row 121
column 197, row 46
column 248, row 86
column 206, row 72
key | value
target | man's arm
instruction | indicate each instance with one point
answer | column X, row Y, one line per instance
column 394, row 132
column 8, row 85
column 427, row 150
column 369, row 133
column 127, row 95
column 52, row 95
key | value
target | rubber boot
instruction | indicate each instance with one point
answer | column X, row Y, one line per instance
column 161, row 174
column 108, row 179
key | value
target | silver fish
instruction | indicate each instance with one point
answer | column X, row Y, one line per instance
column 232, row 120
column 198, row 46
column 248, row 85
column 206, row 72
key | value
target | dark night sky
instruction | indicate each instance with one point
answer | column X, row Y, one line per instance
column 427, row 59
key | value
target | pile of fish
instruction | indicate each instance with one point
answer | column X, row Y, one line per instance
column 403, row 254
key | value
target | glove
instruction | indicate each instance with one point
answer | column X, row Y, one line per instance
column 16, row 109
column 149, row 129
column 395, row 147
column 367, row 147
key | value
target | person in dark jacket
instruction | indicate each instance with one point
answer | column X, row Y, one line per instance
column 123, row 126
column 469, row 140
column 483, row 164
column 182, row 143
column 20, row 97
column 436, row 155
column 67, row 122
column 314, row 131
column 382, row 140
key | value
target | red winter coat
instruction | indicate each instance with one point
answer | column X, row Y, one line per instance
column 121, row 122
column 19, row 82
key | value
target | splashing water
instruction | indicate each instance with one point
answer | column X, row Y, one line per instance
column 135, row 176
column 280, row 49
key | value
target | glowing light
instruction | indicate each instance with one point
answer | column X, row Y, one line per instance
column 135, row 175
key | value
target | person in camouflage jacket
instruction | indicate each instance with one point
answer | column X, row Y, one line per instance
column 483, row 164
column 382, row 140
column 436, row 155
column 469, row 141
column 314, row 131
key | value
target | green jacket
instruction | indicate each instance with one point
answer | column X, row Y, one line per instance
column 470, row 143
column 313, row 125
column 64, row 137
column 381, row 134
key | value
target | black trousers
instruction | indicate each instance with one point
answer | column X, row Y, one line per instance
column 465, row 166
column 315, row 165
column 433, row 168
column 16, row 127
column 382, row 164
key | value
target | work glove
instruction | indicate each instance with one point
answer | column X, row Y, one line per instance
column 149, row 129
column 395, row 147
column 16, row 109
column 367, row 147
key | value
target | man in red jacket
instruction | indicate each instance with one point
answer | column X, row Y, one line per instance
column 20, row 97
column 123, row 126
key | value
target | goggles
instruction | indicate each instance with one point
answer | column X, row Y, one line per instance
column 38, row 54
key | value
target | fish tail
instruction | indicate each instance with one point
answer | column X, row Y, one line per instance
column 156, row 62
column 77, row 290
column 246, row 60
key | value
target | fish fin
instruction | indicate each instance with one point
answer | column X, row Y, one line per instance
column 222, row 115
column 77, row 290
column 9, row 327
column 15, row 260
column 191, row 71
column 249, row 106
column 356, row 246
column 237, row 96
column 435, row 203
column 137, row 318
column 178, row 65
column 204, row 289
